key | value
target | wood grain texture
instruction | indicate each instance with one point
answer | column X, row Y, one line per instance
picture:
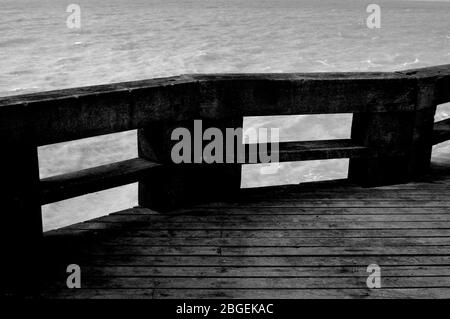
column 56, row 188
column 69, row 114
column 393, row 131
column 436, row 80
column 309, row 150
column 233, row 249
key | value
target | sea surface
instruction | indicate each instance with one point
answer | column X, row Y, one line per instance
column 138, row 39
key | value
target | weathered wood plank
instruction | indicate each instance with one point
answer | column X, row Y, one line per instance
column 249, row 293
column 379, row 195
column 334, row 203
column 94, row 179
column 249, row 272
column 71, row 114
column 259, row 261
column 348, row 198
column 333, row 233
column 302, row 233
column 289, row 218
column 67, row 114
column 281, row 94
column 266, row 226
column 361, row 250
column 301, row 293
column 257, row 283
column 308, row 150
column 98, row 294
column 245, row 211
column 278, row 242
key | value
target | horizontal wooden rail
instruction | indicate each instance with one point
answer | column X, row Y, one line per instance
column 64, row 186
column 64, row 115
column 441, row 132
column 95, row 179
column 313, row 150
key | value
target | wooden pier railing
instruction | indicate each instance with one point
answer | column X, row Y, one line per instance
column 392, row 135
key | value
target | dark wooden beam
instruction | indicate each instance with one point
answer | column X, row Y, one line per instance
column 95, row 179
column 21, row 233
column 319, row 93
column 317, row 150
column 441, row 132
column 84, row 112
column 178, row 185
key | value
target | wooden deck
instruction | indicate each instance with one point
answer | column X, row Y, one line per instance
column 307, row 241
column 311, row 240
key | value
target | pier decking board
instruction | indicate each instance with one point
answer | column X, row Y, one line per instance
column 290, row 248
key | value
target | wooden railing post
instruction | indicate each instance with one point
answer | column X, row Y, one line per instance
column 386, row 135
column 423, row 126
column 422, row 141
column 21, row 209
column 400, row 143
column 177, row 185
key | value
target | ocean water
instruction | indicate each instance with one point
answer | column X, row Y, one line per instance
column 137, row 39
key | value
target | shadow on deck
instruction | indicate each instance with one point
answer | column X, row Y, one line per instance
column 307, row 241
column 310, row 240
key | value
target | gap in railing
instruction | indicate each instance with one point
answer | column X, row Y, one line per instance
column 80, row 154
column 441, row 151
column 82, row 208
column 299, row 128
column 260, row 175
column 85, row 153
column 442, row 112
column 304, row 127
